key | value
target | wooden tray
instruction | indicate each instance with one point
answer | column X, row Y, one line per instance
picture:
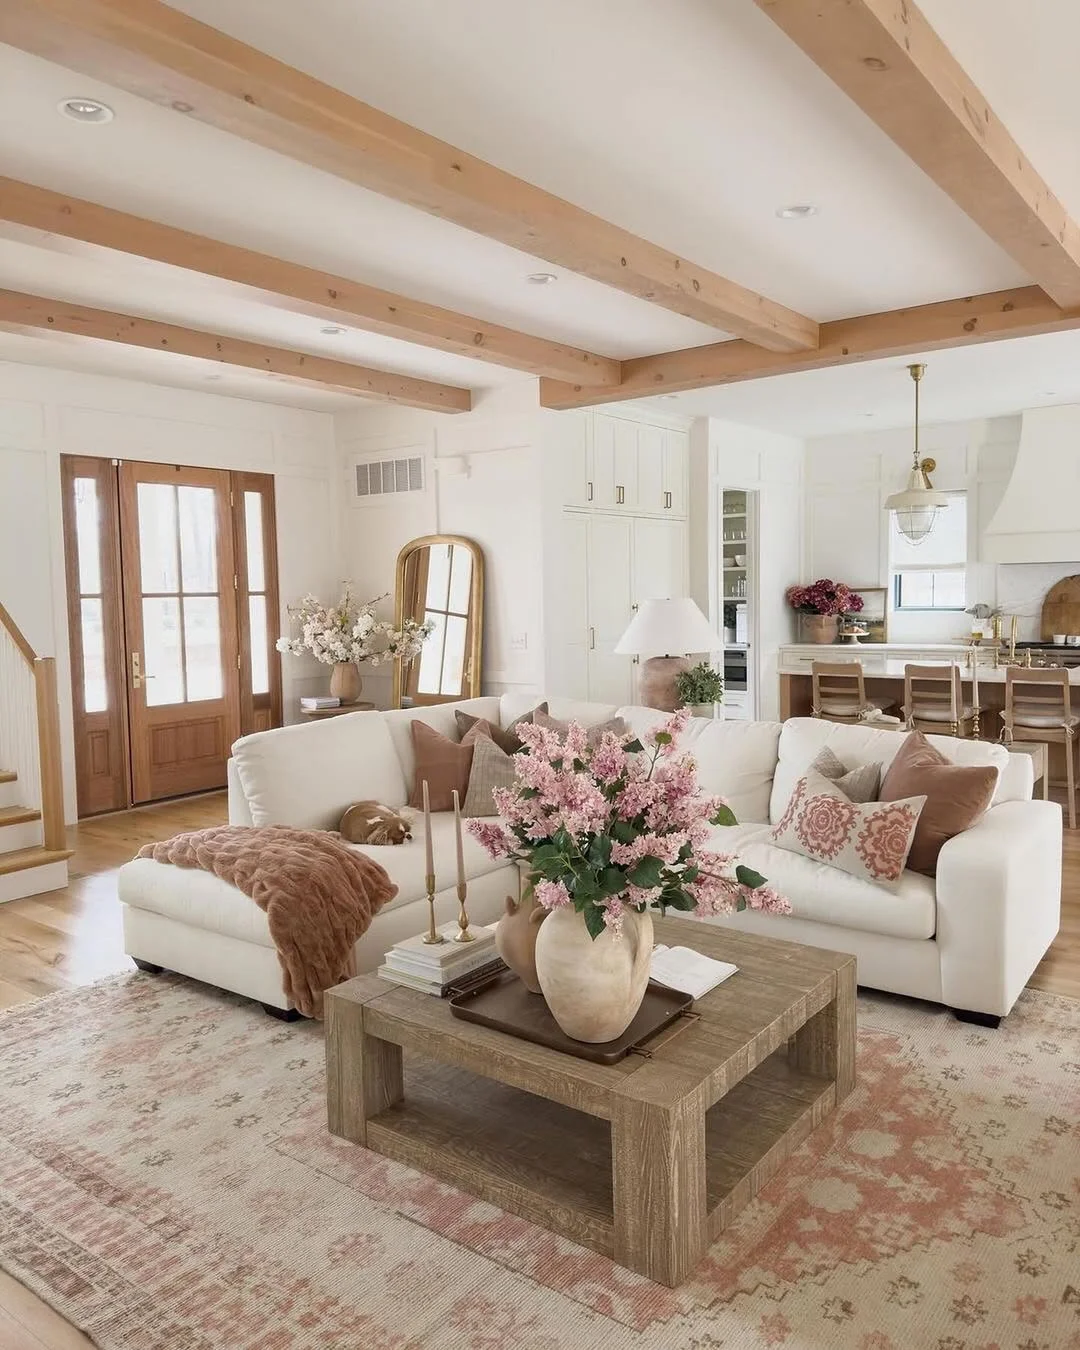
column 506, row 1005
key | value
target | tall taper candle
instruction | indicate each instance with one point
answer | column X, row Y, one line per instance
column 458, row 840
column 463, row 934
column 429, row 857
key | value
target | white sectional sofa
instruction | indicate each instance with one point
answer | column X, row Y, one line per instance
column 969, row 938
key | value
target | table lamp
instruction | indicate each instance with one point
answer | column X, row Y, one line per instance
column 666, row 626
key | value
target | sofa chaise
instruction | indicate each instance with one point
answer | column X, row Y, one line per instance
column 969, row 938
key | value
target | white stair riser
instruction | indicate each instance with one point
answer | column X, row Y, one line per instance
column 25, row 835
column 9, row 794
column 33, row 881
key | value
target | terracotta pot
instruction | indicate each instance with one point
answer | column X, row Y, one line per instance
column 593, row 988
column 345, row 681
column 820, row 628
column 515, row 939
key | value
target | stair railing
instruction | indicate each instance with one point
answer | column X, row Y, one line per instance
column 30, row 728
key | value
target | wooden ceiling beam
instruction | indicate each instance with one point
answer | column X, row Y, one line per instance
column 158, row 53
column 886, row 57
column 898, row 332
column 298, row 289
column 36, row 314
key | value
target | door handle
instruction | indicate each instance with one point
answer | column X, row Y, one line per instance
column 592, row 639
column 137, row 675
column 667, row 501
column 588, row 491
column 620, row 494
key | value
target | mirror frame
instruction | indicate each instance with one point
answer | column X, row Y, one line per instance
column 475, row 646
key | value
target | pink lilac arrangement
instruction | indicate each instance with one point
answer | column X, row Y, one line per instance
column 615, row 826
column 824, row 597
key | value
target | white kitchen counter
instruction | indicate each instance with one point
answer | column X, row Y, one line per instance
column 884, row 661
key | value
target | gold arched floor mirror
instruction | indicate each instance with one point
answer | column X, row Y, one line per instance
column 440, row 578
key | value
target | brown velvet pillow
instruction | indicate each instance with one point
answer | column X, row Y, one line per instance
column 505, row 738
column 593, row 734
column 956, row 796
column 444, row 763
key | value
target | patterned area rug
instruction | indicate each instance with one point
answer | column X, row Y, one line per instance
column 167, row 1183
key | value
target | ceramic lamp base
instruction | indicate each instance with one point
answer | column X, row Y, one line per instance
column 658, row 676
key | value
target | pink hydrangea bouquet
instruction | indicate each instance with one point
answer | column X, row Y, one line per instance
column 824, row 597
column 617, row 826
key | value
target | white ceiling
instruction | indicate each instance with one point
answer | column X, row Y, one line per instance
column 688, row 122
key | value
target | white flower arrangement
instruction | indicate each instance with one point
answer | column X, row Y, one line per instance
column 351, row 632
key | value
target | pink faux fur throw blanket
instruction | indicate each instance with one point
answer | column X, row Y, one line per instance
column 319, row 895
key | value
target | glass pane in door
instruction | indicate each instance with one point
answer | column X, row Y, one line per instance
column 198, row 539
column 157, row 537
column 202, row 648
column 162, row 657
column 253, row 530
column 88, row 545
column 260, row 657
column 95, row 689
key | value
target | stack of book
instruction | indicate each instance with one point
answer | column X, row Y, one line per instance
column 316, row 702
column 443, row 968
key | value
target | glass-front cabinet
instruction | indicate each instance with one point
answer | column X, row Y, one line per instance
column 737, row 591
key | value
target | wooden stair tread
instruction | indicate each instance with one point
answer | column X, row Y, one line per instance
column 18, row 815
column 8, row 775
column 22, row 858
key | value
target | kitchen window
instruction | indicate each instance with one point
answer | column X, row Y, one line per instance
column 933, row 574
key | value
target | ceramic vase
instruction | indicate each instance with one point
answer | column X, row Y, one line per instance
column 345, row 681
column 593, row 988
column 820, row 628
column 515, row 939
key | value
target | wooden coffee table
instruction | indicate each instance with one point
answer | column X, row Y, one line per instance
column 646, row 1160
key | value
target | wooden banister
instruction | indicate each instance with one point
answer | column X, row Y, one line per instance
column 54, row 830
column 16, row 634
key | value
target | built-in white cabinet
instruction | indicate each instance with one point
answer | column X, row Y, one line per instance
column 630, row 467
column 609, row 564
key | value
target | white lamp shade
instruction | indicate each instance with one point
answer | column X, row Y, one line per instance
column 668, row 627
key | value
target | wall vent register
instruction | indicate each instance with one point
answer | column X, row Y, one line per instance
column 383, row 477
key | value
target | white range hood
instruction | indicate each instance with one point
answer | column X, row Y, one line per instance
column 1038, row 520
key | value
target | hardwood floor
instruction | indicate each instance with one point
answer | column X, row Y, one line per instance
column 66, row 938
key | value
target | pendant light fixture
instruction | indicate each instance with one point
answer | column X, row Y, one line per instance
column 917, row 507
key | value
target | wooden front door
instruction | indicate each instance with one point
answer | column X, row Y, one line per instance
column 182, row 647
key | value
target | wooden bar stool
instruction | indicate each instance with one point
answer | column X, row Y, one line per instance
column 934, row 700
column 1042, row 711
column 839, row 692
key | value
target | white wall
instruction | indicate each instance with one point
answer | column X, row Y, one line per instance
column 847, row 529
column 46, row 412
column 770, row 466
column 498, row 503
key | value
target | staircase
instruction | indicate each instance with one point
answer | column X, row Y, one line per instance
column 33, row 840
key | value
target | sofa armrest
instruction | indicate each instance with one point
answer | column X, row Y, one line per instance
column 239, row 810
column 998, row 904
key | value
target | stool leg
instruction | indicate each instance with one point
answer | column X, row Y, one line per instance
column 1070, row 776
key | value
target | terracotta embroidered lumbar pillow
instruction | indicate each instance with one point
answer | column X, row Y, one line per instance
column 506, row 738
column 956, row 796
column 444, row 763
column 870, row 840
column 860, row 784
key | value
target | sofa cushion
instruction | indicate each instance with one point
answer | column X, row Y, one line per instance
column 825, row 895
column 203, row 900
column 491, row 768
column 441, row 717
column 307, row 775
column 956, row 796
column 443, row 763
column 735, row 760
column 506, row 738
column 802, row 738
column 859, row 784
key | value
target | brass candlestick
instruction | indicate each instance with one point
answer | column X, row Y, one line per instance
column 463, row 934
column 432, row 936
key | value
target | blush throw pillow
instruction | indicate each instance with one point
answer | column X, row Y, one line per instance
column 443, row 762
column 956, row 796
column 870, row 840
column 593, row 734
column 506, row 738
column 492, row 768
column 860, row 784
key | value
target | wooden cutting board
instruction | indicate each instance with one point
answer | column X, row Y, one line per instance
column 1061, row 609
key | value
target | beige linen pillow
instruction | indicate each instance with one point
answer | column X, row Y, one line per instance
column 492, row 768
column 860, row 784
column 870, row 840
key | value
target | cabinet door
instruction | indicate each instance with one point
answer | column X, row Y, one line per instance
column 608, row 588
column 626, row 460
column 568, row 622
column 651, row 469
column 603, row 460
column 660, row 564
column 676, row 472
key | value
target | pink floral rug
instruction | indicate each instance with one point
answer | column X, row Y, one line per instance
column 167, row 1183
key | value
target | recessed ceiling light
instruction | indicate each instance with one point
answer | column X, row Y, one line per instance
column 86, row 110
column 333, row 330
column 541, row 278
column 799, row 211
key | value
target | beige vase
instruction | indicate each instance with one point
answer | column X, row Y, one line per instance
column 515, row 939
column 345, row 681
column 593, row 988
column 820, row 628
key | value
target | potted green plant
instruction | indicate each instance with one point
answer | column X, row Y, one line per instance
column 701, row 689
